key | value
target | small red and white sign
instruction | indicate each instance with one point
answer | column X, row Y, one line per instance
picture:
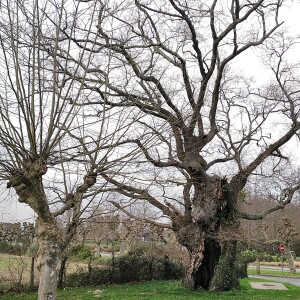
column 281, row 248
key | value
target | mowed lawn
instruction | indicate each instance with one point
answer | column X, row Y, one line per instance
column 163, row 290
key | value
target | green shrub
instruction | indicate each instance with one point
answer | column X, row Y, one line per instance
column 80, row 252
column 249, row 256
column 243, row 259
column 133, row 267
column 146, row 263
column 9, row 248
column 92, row 277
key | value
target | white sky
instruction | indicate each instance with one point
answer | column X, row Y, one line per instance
column 13, row 211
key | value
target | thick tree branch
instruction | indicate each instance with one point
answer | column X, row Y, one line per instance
column 285, row 198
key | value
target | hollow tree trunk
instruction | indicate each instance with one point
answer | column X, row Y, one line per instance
column 206, row 271
column 48, row 259
column 204, row 256
column 226, row 273
column 212, row 267
column 203, row 232
column 202, row 265
column 196, row 258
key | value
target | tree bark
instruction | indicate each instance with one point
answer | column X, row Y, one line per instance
column 205, row 272
column 196, row 258
column 31, row 286
column 48, row 259
column 225, row 275
column 211, row 266
column 62, row 272
column 204, row 256
column 258, row 265
column 290, row 260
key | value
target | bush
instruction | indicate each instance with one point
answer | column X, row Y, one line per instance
column 249, row 256
column 9, row 248
column 267, row 257
column 146, row 262
column 80, row 252
column 92, row 277
column 243, row 259
column 133, row 267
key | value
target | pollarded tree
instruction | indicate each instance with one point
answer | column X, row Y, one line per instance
column 204, row 131
column 34, row 117
column 101, row 226
column 49, row 153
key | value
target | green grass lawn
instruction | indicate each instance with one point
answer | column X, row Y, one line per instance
column 11, row 260
column 274, row 273
column 166, row 290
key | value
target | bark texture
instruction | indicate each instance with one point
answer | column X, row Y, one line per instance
column 205, row 272
column 62, row 272
column 212, row 262
column 49, row 253
column 226, row 274
column 29, row 187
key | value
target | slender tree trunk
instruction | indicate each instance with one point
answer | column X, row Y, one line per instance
column 62, row 272
column 48, row 259
column 258, row 265
column 32, row 273
column 98, row 251
column 290, row 260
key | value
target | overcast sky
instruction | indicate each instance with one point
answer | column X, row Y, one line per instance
column 12, row 211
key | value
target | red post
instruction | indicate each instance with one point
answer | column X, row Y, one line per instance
column 281, row 248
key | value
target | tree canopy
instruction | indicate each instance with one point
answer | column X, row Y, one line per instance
column 199, row 130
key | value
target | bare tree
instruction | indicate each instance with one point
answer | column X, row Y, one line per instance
column 51, row 148
column 102, row 226
column 204, row 132
column 265, row 235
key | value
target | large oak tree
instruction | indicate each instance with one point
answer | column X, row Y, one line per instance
column 204, row 131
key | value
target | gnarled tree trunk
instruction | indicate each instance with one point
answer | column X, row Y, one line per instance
column 206, row 271
column 204, row 256
column 226, row 273
column 210, row 256
column 28, row 185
